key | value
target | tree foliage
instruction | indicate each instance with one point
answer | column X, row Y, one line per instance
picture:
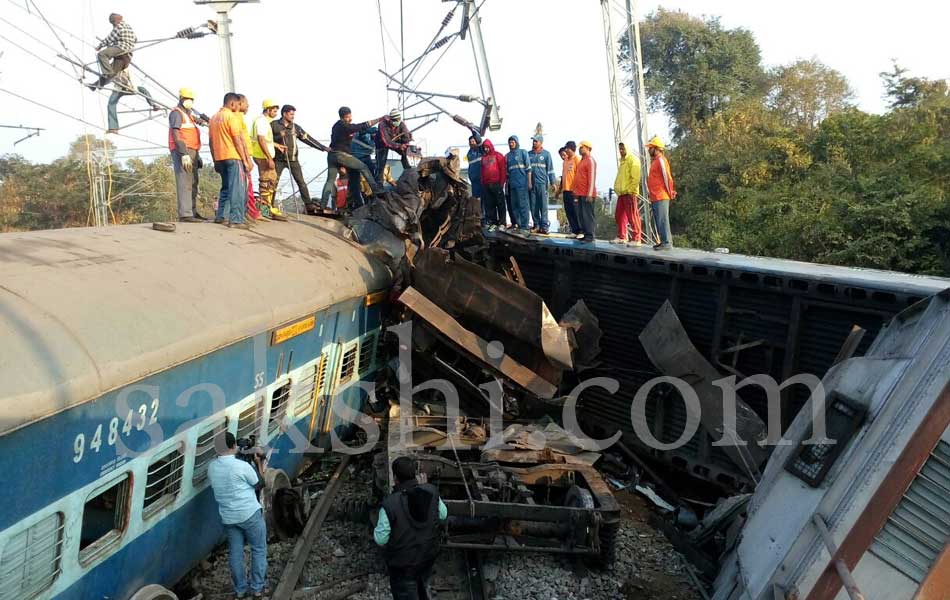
column 780, row 163
column 55, row 195
column 807, row 92
column 693, row 68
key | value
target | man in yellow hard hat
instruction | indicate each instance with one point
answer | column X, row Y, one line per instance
column 184, row 142
column 263, row 150
column 662, row 191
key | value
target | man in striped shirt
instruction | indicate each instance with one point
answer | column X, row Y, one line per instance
column 115, row 51
column 585, row 192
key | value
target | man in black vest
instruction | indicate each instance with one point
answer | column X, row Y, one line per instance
column 408, row 530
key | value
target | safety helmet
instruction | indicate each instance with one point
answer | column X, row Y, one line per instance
column 269, row 103
column 186, row 92
column 586, row 143
column 395, row 116
column 656, row 142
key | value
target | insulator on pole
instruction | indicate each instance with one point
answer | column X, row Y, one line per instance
column 448, row 18
column 185, row 32
column 441, row 42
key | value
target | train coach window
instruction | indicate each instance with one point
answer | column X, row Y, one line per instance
column 247, row 420
column 204, row 451
column 348, row 365
column 104, row 519
column 163, row 481
column 278, row 408
column 31, row 559
column 367, row 352
column 307, row 388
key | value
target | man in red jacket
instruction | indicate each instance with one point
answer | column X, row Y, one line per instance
column 585, row 192
column 494, row 174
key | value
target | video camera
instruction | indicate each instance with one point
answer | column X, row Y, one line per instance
column 247, row 450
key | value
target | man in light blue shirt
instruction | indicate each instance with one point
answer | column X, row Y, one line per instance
column 234, row 483
column 409, row 530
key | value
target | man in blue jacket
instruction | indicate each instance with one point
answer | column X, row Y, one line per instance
column 542, row 175
column 519, row 182
column 474, row 158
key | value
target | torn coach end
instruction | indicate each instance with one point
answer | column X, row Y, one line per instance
column 669, row 348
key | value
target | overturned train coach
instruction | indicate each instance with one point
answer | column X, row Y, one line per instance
column 126, row 350
column 745, row 315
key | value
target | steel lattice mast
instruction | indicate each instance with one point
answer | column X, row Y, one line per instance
column 628, row 110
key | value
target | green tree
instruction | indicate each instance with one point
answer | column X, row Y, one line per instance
column 903, row 91
column 806, row 92
column 693, row 68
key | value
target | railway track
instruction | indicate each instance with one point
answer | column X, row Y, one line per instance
column 458, row 576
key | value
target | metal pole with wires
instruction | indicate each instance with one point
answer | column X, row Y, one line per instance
column 223, row 9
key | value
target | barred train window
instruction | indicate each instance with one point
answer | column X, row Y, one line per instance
column 367, row 352
column 348, row 364
column 247, row 420
column 31, row 559
column 163, row 481
column 204, row 451
column 306, row 389
column 104, row 519
column 278, row 407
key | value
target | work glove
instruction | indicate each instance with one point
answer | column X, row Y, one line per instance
column 186, row 163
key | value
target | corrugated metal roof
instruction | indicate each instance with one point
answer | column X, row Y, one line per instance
column 84, row 311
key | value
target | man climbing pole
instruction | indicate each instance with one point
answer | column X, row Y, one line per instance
column 184, row 142
column 124, row 85
column 115, row 51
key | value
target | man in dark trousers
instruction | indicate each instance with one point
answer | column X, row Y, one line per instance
column 341, row 154
column 408, row 531
column 287, row 155
column 393, row 135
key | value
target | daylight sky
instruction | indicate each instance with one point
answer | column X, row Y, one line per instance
column 547, row 60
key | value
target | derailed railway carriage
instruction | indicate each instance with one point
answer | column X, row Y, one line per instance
column 123, row 351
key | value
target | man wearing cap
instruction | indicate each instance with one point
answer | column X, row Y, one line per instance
column 662, row 191
column 286, row 133
column 341, row 154
column 542, row 175
column 184, row 142
column 114, row 53
column 392, row 135
column 585, row 191
column 474, row 159
column 263, row 151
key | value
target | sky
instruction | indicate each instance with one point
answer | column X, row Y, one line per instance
column 547, row 58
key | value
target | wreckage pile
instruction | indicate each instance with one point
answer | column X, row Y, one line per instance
column 345, row 560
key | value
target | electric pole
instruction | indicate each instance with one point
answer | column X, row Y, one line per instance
column 628, row 111
column 223, row 9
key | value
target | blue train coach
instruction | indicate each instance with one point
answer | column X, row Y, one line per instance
column 124, row 350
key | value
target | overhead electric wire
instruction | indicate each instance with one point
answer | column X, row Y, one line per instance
column 83, row 121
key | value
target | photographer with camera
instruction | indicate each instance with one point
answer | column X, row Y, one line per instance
column 235, row 483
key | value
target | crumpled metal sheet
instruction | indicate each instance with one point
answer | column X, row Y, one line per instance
column 469, row 291
column 671, row 351
column 585, row 327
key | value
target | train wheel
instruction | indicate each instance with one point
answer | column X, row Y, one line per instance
column 153, row 592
